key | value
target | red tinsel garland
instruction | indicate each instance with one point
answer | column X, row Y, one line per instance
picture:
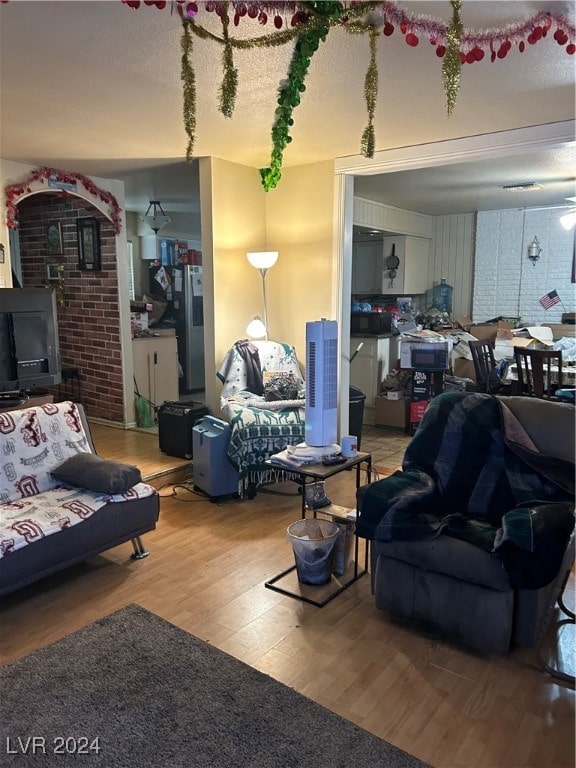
column 474, row 45
column 15, row 191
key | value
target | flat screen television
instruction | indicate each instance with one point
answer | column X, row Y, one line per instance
column 29, row 349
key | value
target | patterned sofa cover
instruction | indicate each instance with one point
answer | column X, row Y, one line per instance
column 47, row 524
column 260, row 428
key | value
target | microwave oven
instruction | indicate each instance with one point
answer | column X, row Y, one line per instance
column 370, row 323
column 429, row 357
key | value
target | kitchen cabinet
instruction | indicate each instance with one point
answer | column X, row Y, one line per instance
column 412, row 270
column 367, row 265
column 377, row 358
column 156, row 368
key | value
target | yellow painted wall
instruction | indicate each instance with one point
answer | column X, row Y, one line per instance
column 296, row 219
column 299, row 224
column 233, row 216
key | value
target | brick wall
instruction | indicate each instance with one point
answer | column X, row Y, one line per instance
column 505, row 280
column 88, row 323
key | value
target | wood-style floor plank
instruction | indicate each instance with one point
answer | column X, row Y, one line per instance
column 206, row 573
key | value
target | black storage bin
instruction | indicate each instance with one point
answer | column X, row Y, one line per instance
column 176, row 420
column 356, row 413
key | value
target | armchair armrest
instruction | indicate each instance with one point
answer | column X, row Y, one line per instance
column 397, row 507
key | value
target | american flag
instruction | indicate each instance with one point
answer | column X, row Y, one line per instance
column 549, row 299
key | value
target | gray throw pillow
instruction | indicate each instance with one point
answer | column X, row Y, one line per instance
column 92, row 472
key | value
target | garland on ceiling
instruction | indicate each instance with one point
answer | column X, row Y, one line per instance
column 14, row 191
column 306, row 25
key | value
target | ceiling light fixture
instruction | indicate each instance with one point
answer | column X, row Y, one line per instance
column 157, row 219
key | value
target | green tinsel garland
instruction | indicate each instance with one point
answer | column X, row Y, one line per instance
column 451, row 66
column 308, row 36
column 230, row 79
column 189, row 88
column 307, row 43
column 368, row 142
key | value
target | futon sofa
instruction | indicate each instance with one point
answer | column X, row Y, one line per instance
column 474, row 538
column 61, row 503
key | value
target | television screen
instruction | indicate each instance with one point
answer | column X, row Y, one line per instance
column 29, row 349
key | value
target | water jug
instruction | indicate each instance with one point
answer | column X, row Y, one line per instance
column 442, row 296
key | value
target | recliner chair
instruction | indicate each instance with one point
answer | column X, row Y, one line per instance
column 474, row 538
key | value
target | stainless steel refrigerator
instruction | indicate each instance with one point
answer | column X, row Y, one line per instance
column 181, row 286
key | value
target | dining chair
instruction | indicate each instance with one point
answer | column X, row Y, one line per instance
column 539, row 371
column 484, row 365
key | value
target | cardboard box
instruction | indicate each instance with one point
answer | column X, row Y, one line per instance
column 394, row 394
column 520, row 341
column 422, row 394
column 417, row 410
column 391, row 413
column 502, row 330
column 561, row 329
column 464, row 368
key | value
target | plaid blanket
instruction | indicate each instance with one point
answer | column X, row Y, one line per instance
column 473, row 473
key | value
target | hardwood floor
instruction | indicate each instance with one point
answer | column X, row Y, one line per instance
column 206, row 573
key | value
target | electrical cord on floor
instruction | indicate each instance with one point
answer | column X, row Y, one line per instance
column 187, row 485
column 372, row 475
column 189, row 488
column 172, row 494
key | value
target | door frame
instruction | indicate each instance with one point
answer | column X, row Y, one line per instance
column 482, row 147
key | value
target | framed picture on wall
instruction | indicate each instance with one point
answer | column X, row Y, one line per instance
column 54, row 245
column 88, row 243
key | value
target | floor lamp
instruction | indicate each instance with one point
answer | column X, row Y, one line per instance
column 263, row 260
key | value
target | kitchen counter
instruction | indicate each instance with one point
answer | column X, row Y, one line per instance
column 370, row 366
column 372, row 335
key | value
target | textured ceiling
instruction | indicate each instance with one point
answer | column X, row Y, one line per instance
column 94, row 87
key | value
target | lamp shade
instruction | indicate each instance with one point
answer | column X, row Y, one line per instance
column 256, row 328
column 262, row 259
column 157, row 219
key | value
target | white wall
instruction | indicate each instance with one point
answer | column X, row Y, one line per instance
column 506, row 282
column 452, row 257
column 451, row 245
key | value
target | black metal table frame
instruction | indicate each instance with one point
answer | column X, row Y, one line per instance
column 310, row 473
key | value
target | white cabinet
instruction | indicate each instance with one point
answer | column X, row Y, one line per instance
column 412, row 270
column 156, row 368
column 366, row 267
column 372, row 364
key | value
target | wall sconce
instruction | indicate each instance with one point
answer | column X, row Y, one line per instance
column 534, row 251
column 263, row 260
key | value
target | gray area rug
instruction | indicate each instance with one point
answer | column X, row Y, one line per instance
column 134, row 690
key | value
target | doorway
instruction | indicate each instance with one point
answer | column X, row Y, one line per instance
column 489, row 146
